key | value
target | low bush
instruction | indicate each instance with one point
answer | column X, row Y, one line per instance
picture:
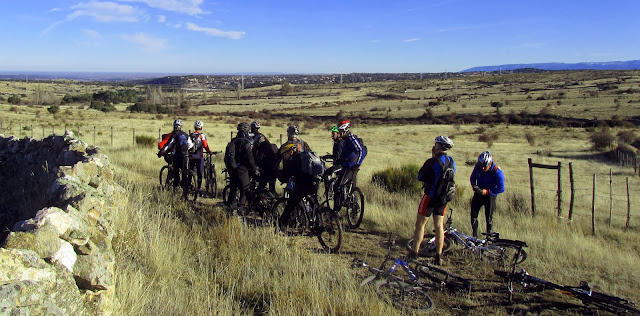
column 146, row 141
column 403, row 179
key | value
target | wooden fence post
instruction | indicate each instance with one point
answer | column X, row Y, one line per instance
column 593, row 207
column 610, row 196
column 53, row 129
column 111, row 135
column 159, row 134
column 559, row 189
column 533, row 200
column 94, row 135
column 626, row 225
column 31, row 130
column 573, row 191
column 133, row 142
column 43, row 132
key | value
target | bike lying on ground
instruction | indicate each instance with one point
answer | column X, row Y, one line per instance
column 493, row 247
column 309, row 215
column 353, row 199
column 583, row 292
column 408, row 291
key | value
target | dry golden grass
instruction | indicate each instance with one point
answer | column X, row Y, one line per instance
column 176, row 259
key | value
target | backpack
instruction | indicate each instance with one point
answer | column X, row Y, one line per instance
column 445, row 190
column 230, row 156
column 364, row 148
column 311, row 163
column 197, row 142
column 165, row 138
column 184, row 145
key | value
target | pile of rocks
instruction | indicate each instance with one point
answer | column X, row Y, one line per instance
column 60, row 261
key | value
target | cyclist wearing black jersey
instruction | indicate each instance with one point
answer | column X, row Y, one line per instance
column 303, row 184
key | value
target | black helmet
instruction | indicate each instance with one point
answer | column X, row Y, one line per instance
column 255, row 125
column 293, row 130
column 243, row 127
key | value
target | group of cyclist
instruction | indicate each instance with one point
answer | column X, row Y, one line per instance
column 250, row 154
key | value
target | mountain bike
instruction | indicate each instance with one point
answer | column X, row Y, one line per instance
column 353, row 200
column 406, row 291
column 210, row 177
column 226, row 191
column 189, row 189
column 493, row 247
column 166, row 172
column 583, row 292
column 309, row 215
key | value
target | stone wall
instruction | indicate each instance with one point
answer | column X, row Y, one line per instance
column 57, row 200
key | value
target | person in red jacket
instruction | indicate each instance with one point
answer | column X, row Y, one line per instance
column 196, row 158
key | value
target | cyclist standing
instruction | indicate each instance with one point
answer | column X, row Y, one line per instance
column 292, row 138
column 487, row 181
column 337, row 148
column 196, row 158
column 266, row 158
column 180, row 143
column 352, row 153
column 433, row 202
column 243, row 163
column 304, row 184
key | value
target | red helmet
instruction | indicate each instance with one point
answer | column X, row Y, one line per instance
column 344, row 126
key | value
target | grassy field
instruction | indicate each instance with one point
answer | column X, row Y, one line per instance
column 175, row 258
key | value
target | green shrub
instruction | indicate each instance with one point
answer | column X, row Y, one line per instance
column 146, row 141
column 403, row 179
column 53, row 109
column 602, row 139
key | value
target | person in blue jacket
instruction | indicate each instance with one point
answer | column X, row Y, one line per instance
column 352, row 153
column 487, row 181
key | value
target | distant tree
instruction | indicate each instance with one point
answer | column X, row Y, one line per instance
column 14, row 99
column 626, row 137
column 53, row 109
column 602, row 139
column 286, row 89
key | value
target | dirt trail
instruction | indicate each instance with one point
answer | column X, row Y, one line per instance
column 487, row 297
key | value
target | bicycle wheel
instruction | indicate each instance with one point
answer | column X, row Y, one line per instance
column 504, row 253
column 329, row 230
column 443, row 279
column 297, row 222
column 428, row 245
column 165, row 177
column 226, row 192
column 408, row 298
column 355, row 208
column 214, row 182
column 191, row 189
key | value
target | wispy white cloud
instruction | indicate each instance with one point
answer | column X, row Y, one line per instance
column 92, row 34
column 412, row 40
column 106, row 12
column 215, row 32
column 162, row 19
column 191, row 7
column 101, row 12
column 146, row 42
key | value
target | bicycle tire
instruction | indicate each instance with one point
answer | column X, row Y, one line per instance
column 329, row 230
column 298, row 221
column 443, row 279
column 407, row 298
column 225, row 195
column 191, row 189
column 607, row 302
column 165, row 177
column 214, row 182
column 210, row 180
column 505, row 253
column 428, row 245
column 355, row 208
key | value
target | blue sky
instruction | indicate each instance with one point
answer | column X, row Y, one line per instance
column 304, row 36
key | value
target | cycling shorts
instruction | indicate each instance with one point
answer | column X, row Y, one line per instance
column 426, row 210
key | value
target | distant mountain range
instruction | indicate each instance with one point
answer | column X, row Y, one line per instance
column 609, row 65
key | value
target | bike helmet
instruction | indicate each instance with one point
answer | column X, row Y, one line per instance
column 334, row 128
column 344, row 126
column 177, row 124
column 445, row 142
column 293, row 130
column 243, row 127
column 485, row 159
column 198, row 124
column 255, row 125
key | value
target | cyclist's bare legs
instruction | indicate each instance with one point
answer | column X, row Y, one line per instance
column 418, row 233
column 438, row 226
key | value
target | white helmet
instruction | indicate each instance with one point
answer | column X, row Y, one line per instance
column 177, row 124
column 198, row 124
column 445, row 142
column 485, row 159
